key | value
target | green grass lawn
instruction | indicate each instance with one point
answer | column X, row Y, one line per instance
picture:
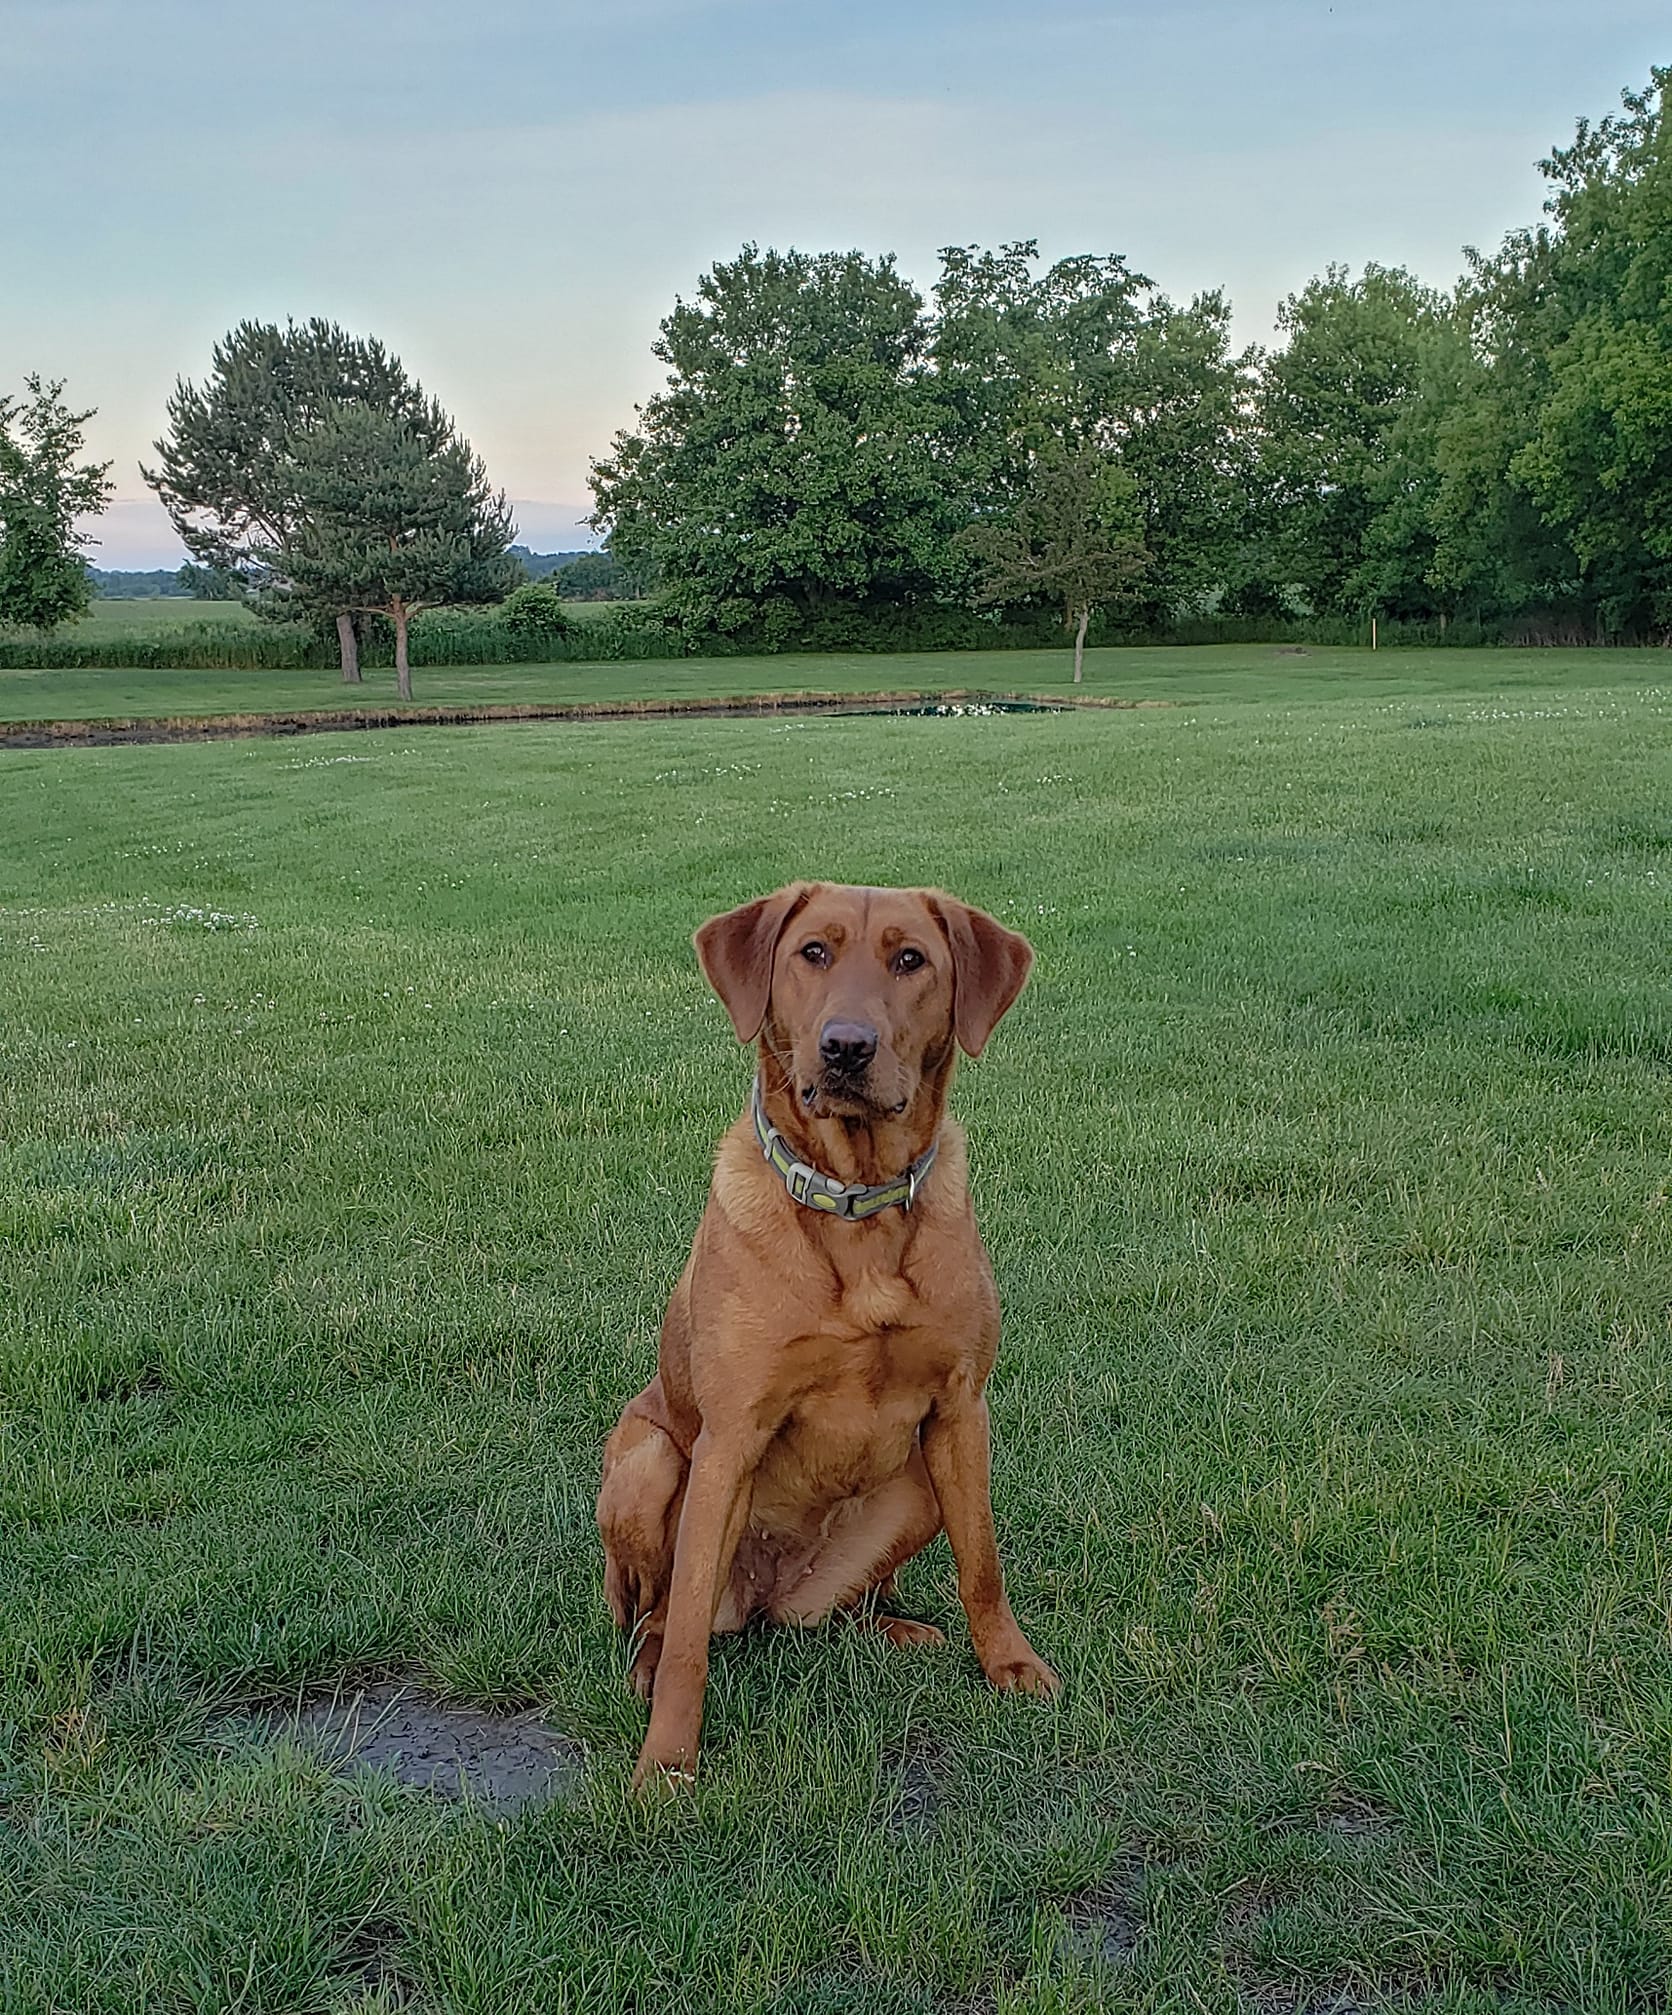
column 1260, row 672
column 356, row 1103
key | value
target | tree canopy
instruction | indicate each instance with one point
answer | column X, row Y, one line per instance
column 1088, row 355
column 1500, row 452
column 789, row 463
column 1593, row 292
column 1348, row 411
column 824, row 438
column 45, row 488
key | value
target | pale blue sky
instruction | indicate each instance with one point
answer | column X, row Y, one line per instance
column 510, row 192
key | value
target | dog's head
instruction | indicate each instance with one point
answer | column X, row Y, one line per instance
column 861, row 993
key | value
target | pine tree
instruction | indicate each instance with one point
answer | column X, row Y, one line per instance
column 393, row 517
column 228, row 471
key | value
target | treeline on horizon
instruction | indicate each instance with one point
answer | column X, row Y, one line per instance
column 1498, row 456
column 836, row 462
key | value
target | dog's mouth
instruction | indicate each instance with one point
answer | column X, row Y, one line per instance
column 845, row 1095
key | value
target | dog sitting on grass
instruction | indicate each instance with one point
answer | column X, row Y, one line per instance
column 818, row 1413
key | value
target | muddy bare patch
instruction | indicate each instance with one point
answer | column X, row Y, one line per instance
column 1334, row 1997
column 371, row 1968
column 501, row 1761
column 1349, row 1815
column 854, row 1992
column 1255, row 1952
column 1246, row 1906
column 1340, row 1815
column 913, row 1786
column 1105, row 1923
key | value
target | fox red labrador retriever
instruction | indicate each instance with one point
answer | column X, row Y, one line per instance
column 818, row 1412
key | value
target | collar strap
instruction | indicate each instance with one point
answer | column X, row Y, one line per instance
column 818, row 1191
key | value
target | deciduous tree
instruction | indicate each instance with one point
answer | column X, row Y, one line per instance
column 1073, row 536
column 597, row 577
column 1596, row 287
column 1086, row 353
column 45, row 488
column 789, row 465
column 1350, row 411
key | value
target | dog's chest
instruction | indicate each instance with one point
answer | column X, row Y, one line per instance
column 854, row 1421
column 845, row 1441
column 876, row 1301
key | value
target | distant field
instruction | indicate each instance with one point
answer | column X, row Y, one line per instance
column 357, row 1098
column 139, row 615
column 144, row 615
column 1184, row 675
column 120, row 616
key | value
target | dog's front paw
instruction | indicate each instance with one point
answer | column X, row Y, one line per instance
column 1018, row 1668
column 668, row 1774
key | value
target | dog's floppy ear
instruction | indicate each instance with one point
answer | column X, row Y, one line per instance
column 735, row 953
column 989, row 969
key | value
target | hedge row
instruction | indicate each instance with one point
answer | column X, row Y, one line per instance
column 633, row 631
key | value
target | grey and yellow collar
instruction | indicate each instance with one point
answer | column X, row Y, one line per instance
column 817, row 1191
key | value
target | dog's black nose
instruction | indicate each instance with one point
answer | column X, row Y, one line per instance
column 847, row 1045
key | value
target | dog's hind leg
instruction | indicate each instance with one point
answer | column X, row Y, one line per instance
column 638, row 1518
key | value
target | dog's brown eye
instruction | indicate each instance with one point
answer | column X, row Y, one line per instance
column 816, row 954
column 908, row 961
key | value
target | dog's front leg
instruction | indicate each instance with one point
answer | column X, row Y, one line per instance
column 710, row 1525
column 957, row 1449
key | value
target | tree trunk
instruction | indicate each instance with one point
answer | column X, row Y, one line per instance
column 349, row 644
column 1080, row 647
column 403, row 671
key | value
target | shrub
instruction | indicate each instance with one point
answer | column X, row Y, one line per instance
column 535, row 611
